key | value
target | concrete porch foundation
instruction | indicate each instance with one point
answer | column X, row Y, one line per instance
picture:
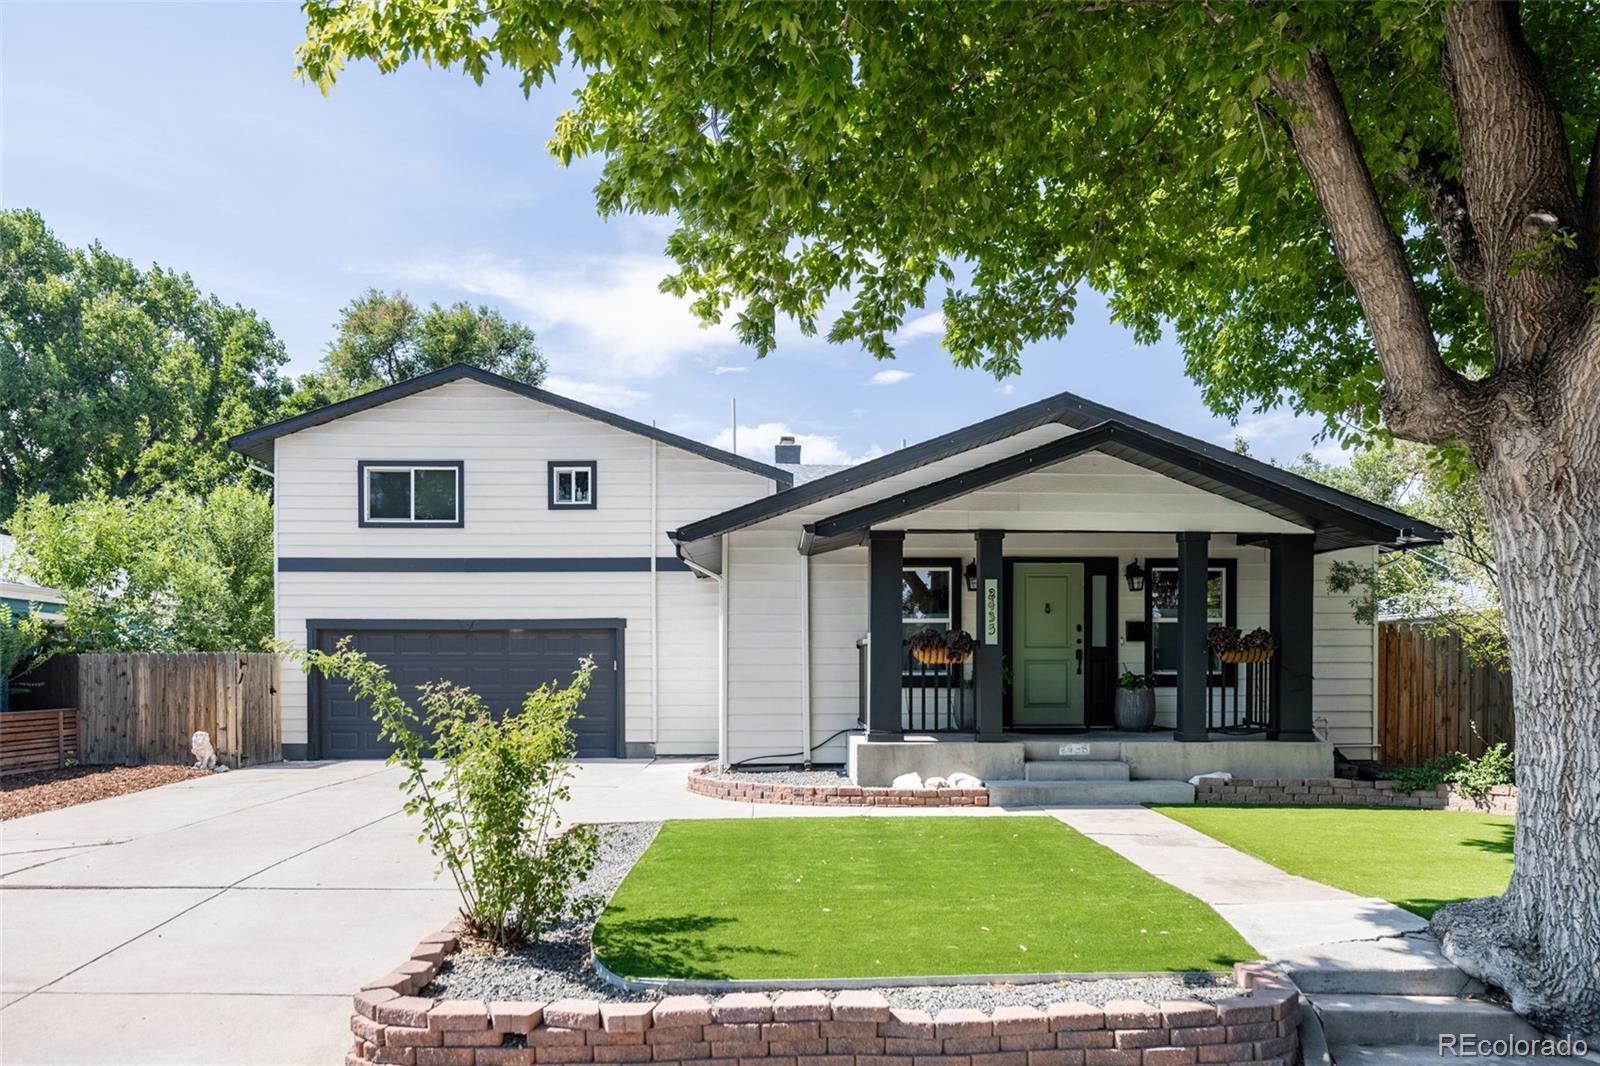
column 1153, row 756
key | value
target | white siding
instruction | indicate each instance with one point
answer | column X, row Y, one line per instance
column 1344, row 663
column 505, row 442
column 764, row 651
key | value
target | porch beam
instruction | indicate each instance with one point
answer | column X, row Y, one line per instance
column 1194, row 565
column 1291, row 569
column 988, row 665
column 885, row 563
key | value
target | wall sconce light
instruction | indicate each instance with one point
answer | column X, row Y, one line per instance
column 1135, row 575
column 972, row 577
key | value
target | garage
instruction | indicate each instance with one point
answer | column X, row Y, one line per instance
column 500, row 661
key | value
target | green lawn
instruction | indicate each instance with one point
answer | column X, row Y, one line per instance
column 1419, row 860
column 857, row 897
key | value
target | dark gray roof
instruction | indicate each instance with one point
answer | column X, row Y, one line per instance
column 257, row 443
column 1348, row 519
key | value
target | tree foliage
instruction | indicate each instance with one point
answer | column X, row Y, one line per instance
column 1445, row 588
column 486, row 788
column 118, row 380
column 1001, row 157
column 167, row 572
column 384, row 339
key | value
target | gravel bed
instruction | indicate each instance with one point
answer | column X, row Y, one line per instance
column 48, row 790
column 784, row 777
column 558, row 966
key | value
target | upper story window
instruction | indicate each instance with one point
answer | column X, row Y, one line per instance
column 410, row 493
column 573, row 485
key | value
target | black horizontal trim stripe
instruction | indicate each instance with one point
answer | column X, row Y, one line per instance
column 366, row 564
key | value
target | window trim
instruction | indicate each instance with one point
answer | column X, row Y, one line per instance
column 1230, row 617
column 556, row 465
column 411, row 466
column 908, row 677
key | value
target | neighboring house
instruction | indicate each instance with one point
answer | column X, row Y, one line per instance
column 22, row 594
column 464, row 526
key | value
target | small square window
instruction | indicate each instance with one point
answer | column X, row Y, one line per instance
column 573, row 485
column 395, row 494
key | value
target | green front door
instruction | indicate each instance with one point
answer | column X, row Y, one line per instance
column 1047, row 644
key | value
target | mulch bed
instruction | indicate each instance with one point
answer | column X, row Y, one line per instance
column 47, row 790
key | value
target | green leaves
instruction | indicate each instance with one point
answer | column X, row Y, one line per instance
column 486, row 788
column 996, row 158
column 384, row 339
column 168, row 573
column 118, row 380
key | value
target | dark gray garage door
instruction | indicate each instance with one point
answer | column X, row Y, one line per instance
column 500, row 664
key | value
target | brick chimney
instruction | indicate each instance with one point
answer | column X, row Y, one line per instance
column 787, row 452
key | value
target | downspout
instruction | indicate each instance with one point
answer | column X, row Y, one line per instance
column 805, row 659
column 722, row 659
column 655, row 613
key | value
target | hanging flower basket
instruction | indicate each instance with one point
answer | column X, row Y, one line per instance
column 933, row 648
column 1232, row 646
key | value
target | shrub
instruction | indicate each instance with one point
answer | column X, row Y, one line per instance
column 1129, row 679
column 1472, row 777
column 488, row 807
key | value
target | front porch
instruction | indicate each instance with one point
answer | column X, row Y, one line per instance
column 1058, row 617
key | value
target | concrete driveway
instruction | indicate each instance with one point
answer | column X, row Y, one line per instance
column 230, row 918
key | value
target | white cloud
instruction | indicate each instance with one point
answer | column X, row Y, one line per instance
column 601, row 394
column 889, row 377
column 1007, row 389
column 610, row 309
column 721, row 370
column 928, row 325
column 1280, row 432
column 757, row 442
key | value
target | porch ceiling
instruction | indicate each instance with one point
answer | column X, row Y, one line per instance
column 1335, row 525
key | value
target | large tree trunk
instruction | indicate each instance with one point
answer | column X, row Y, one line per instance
column 1541, row 483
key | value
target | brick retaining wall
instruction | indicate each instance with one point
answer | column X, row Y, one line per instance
column 1340, row 791
column 854, row 1028
column 745, row 790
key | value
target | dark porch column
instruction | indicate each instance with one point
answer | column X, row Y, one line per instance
column 1193, row 659
column 1289, row 600
column 885, row 659
column 987, row 666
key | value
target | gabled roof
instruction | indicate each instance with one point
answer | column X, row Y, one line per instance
column 1339, row 518
column 1335, row 527
column 257, row 443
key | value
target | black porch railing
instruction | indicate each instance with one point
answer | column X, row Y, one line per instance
column 1239, row 696
column 934, row 697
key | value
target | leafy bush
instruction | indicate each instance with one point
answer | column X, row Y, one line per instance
column 488, row 810
column 1129, row 679
column 1472, row 777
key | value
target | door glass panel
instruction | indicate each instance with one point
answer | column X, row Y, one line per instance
column 1097, row 610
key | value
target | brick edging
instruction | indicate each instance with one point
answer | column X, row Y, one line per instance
column 703, row 783
column 1341, row 791
column 806, row 1028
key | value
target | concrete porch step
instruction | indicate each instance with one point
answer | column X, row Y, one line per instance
column 1392, row 966
column 1386, row 1021
column 1076, row 770
column 1025, row 793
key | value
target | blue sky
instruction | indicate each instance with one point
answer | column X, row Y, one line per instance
column 176, row 133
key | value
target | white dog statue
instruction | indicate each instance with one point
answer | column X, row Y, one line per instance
column 205, row 756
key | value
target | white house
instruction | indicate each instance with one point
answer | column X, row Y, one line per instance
column 465, row 526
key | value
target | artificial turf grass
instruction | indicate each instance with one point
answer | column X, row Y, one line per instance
column 1416, row 859
column 898, row 897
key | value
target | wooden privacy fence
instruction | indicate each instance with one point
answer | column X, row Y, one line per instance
column 38, row 740
column 1433, row 699
column 143, row 707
